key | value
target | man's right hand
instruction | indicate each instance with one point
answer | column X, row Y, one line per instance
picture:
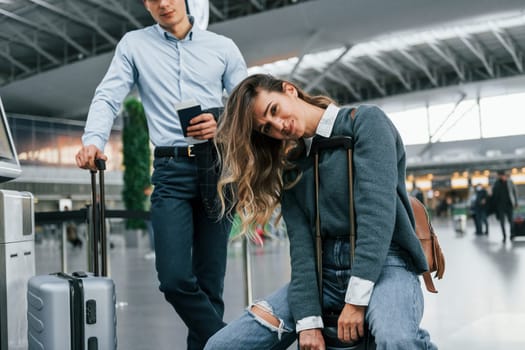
column 86, row 156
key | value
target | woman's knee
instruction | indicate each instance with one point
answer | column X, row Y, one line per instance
column 258, row 327
column 398, row 343
column 218, row 342
column 404, row 342
column 394, row 337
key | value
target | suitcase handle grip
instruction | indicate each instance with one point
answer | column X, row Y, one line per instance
column 321, row 143
column 100, row 164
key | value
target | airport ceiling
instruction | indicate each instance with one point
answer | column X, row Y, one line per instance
column 54, row 52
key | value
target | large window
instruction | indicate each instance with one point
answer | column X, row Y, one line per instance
column 503, row 115
column 492, row 117
column 412, row 124
column 55, row 143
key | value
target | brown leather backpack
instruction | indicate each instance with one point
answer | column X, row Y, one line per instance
column 429, row 242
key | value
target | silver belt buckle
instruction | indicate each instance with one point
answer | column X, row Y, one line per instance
column 190, row 151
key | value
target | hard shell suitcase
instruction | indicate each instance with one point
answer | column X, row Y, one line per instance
column 460, row 223
column 76, row 311
column 71, row 312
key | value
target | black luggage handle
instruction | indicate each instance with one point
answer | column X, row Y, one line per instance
column 99, row 226
column 321, row 143
column 345, row 142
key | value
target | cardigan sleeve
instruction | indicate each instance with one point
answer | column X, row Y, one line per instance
column 303, row 294
column 375, row 192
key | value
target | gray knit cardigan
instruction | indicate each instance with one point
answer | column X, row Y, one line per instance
column 383, row 212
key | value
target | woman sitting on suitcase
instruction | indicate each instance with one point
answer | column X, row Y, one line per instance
column 267, row 120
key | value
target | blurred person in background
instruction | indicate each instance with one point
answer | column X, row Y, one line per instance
column 505, row 200
column 479, row 208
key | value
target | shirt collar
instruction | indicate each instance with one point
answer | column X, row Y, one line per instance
column 325, row 126
column 168, row 35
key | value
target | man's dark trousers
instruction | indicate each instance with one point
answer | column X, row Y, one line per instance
column 505, row 212
column 190, row 247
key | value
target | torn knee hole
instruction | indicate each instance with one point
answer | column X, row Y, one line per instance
column 265, row 315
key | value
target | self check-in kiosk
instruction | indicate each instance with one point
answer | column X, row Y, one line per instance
column 17, row 246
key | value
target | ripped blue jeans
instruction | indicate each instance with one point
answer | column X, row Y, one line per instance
column 243, row 333
column 393, row 314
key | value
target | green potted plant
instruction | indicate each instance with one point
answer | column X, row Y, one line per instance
column 136, row 159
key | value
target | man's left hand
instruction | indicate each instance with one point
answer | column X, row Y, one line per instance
column 202, row 127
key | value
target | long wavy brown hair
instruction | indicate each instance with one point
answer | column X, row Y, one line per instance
column 252, row 163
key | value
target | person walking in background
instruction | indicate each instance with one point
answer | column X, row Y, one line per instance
column 505, row 199
column 479, row 208
column 173, row 62
column 71, row 232
column 271, row 124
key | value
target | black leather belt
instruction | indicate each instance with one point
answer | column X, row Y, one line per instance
column 173, row 151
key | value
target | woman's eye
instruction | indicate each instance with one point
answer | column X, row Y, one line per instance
column 273, row 109
column 266, row 128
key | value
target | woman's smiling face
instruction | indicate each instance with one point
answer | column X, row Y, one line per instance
column 278, row 114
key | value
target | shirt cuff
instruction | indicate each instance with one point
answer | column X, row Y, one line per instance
column 94, row 140
column 359, row 291
column 309, row 322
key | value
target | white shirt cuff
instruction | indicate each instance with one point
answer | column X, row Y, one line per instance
column 359, row 291
column 309, row 322
column 94, row 140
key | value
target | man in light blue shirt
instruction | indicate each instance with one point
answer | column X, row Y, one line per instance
column 171, row 63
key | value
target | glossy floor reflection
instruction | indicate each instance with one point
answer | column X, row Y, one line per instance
column 480, row 304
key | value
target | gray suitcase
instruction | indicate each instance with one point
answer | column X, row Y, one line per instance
column 77, row 311
column 71, row 312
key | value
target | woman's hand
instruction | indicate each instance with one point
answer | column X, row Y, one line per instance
column 351, row 323
column 311, row 339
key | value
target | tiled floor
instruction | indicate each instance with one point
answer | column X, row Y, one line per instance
column 480, row 305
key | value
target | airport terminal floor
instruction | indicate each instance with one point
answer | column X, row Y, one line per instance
column 480, row 304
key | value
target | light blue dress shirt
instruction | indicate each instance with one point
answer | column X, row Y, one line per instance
column 166, row 71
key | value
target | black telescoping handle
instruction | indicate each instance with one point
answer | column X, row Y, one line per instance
column 99, row 226
column 321, row 143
